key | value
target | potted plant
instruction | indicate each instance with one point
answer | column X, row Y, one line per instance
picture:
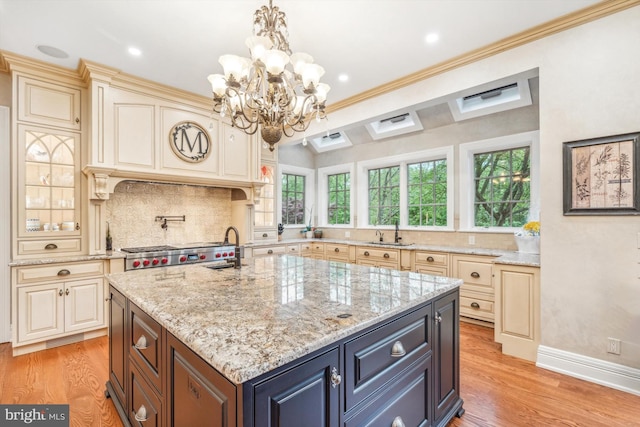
column 528, row 238
column 280, row 231
column 307, row 230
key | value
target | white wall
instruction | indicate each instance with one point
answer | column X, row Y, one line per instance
column 589, row 87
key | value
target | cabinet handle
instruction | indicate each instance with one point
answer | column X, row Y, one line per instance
column 265, row 235
column 397, row 422
column 77, row 120
column 398, row 349
column 430, row 259
column 437, row 317
column 386, row 255
column 66, row 292
column 366, row 253
column 270, row 251
column 475, row 275
column 60, row 292
column 141, row 344
column 64, row 272
column 336, row 379
column 475, row 305
column 336, row 250
column 51, row 246
column 141, row 415
column 77, row 226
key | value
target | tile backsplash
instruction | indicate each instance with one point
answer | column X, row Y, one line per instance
column 133, row 207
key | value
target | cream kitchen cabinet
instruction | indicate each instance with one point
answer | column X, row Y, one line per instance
column 477, row 296
column 378, row 257
column 53, row 302
column 517, row 317
column 48, row 103
column 339, row 252
column 436, row 263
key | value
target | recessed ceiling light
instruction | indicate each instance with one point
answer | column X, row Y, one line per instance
column 432, row 38
column 52, row 51
column 343, row 77
column 134, row 51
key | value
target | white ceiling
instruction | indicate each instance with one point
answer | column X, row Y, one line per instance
column 373, row 41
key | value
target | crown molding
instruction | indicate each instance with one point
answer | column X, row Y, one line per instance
column 583, row 16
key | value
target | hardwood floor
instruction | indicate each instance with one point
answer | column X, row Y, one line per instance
column 498, row 390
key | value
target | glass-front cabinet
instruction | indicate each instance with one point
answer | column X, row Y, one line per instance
column 48, row 189
column 264, row 210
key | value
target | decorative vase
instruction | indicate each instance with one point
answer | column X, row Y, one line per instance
column 309, row 234
column 317, row 234
column 528, row 244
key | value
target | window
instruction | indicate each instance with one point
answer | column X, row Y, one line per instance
column 384, row 196
column 339, row 194
column 502, row 187
column 293, row 199
column 499, row 182
column 427, row 193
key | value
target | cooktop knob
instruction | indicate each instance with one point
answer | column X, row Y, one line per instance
column 218, row 255
column 136, row 264
column 146, row 262
column 183, row 258
column 231, row 254
column 203, row 256
column 164, row 260
column 155, row 261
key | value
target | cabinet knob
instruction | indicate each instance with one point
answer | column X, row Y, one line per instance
column 475, row 275
column 336, row 379
column 336, row 250
column 60, row 292
column 265, row 235
column 64, row 272
column 386, row 255
column 270, row 251
column 437, row 317
column 141, row 415
column 66, row 292
column 366, row 253
column 475, row 305
column 398, row 349
column 397, row 422
column 51, row 246
column 77, row 120
column 430, row 259
column 141, row 344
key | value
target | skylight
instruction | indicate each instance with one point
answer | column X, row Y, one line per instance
column 394, row 125
column 332, row 141
column 479, row 102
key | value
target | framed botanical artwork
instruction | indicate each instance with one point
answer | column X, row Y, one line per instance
column 600, row 175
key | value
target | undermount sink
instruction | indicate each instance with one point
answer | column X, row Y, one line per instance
column 390, row 243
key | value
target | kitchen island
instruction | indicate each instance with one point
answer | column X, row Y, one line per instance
column 284, row 341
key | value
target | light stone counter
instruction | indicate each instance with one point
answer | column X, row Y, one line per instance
column 65, row 259
column 275, row 309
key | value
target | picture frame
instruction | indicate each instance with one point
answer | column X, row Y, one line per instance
column 600, row 175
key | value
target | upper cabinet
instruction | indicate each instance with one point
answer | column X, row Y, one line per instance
column 48, row 104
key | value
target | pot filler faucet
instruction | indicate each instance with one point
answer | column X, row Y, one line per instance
column 236, row 260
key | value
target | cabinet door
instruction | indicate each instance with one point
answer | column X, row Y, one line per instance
column 145, row 407
column 302, row 396
column 48, row 104
column 84, row 304
column 40, row 311
column 446, row 354
column 197, row 395
column 265, row 206
column 118, row 350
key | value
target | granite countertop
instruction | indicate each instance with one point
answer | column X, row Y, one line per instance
column 65, row 259
column 502, row 256
column 275, row 309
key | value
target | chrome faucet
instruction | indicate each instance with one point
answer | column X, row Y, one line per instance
column 236, row 260
column 380, row 233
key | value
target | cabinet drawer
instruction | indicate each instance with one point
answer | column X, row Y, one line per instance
column 477, row 275
column 404, row 403
column 378, row 254
column 59, row 271
column 432, row 258
column 317, row 248
column 337, row 251
column 48, row 247
column 475, row 305
column 293, row 249
column 145, row 407
column 373, row 359
column 305, row 247
column 265, row 235
column 433, row 270
column 145, row 345
column 269, row 251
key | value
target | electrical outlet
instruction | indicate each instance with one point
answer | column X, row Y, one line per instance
column 613, row 346
column 472, row 240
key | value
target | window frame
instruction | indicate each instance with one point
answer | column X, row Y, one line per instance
column 323, row 188
column 309, row 193
column 467, row 175
column 402, row 160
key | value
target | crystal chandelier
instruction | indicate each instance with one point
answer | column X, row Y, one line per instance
column 260, row 92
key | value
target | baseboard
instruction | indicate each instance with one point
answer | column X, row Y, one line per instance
column 597, row 371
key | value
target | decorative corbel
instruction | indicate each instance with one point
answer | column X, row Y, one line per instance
column 100, row 186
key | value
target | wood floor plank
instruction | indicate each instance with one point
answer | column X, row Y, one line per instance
column 498, row 390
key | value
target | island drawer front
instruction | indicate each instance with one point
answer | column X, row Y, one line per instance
column 404, row 400
column 59, row 271
column 269, row 251
column 377, row 254
column 432, row 258
column 475, row 305
column 142, row 394
column 376, row 357
column 48, row 247
column 145, row 346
